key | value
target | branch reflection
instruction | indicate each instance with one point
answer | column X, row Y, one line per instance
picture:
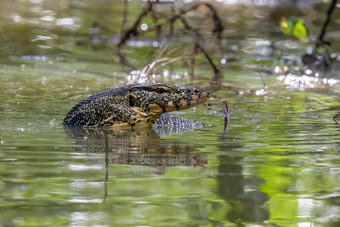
column 240, row 192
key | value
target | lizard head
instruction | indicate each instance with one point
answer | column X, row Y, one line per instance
column 158, row 98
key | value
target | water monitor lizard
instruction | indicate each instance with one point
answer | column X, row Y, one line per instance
column 137, row 105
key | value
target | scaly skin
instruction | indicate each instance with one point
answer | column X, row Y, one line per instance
column 138, row 105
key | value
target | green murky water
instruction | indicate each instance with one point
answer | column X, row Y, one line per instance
column 276, row 164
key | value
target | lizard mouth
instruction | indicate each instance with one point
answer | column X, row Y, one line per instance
column 198, row 96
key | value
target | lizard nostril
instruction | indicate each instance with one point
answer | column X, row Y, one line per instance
column 204, row 95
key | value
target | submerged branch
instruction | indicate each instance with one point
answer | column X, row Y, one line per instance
column 226, row 116
column 226, row 111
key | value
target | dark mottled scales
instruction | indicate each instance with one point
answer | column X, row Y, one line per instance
column 98, row 107
column 134, row 105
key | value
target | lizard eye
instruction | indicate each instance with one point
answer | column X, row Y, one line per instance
column 160, row 90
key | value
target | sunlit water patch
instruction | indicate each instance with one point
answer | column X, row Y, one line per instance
column 305, row 81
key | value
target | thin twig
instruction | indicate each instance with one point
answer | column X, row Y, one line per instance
column 162, row 51
column 193, row 56
column 132, row 31
column 263, row 81
column 216, row 70
column 321, row 37
column 171, row 60
column 147, row 70
column 125, row 15
column 122, row 58
column 218, row 27
column 155, row 20
column 185, row 23
column 173, row 50
column 119, row 61
column 180, row 15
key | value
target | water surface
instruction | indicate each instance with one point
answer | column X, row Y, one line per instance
column 275, row 164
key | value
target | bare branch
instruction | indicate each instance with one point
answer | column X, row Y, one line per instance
column 132, row 31
column 216, row 70
column 147, row 70
column 320, row 40
column 218, row 27
column 125, row 15
column 193, row 56
column 162, row 51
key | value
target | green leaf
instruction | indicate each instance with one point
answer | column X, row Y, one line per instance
column 300, row 30
column 294, row 27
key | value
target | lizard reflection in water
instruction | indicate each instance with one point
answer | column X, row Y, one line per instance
column 142, row 147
